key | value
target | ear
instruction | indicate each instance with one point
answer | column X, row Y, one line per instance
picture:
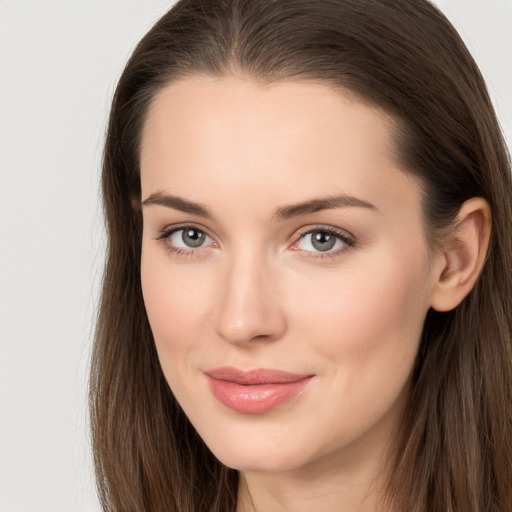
column 462, row 255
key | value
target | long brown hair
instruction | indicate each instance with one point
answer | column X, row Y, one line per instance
column 454, row 448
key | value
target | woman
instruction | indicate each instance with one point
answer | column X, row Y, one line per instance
column 307, row 298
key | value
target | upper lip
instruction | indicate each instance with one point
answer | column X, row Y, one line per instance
column 255, row 376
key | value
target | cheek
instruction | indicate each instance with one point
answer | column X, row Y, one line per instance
column 371, row 314
column 176, row 299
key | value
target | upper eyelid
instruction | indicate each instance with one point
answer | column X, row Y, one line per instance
column 343, row 233
column 297, row 234
column 172, row 228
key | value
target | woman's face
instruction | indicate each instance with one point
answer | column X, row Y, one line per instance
column 285, row 269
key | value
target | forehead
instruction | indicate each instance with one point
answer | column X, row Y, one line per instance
column 225, row 109
column 289, row 140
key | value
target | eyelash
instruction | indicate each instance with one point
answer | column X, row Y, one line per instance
column 180, row 251
column 348, row 241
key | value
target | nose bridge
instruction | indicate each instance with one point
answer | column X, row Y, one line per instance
column 249, row 308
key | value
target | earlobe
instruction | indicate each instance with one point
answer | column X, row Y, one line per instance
column 463, row 255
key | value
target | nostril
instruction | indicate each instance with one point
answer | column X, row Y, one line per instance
column 248, row 308
column 251, row 324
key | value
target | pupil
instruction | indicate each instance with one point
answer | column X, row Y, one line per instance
column 193, row 237
column 323, row 241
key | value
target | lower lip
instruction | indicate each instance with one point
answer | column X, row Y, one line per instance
column 255, row 399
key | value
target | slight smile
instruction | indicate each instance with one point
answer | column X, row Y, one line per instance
column 254, row 391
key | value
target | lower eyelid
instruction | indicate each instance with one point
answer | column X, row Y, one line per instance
column 185, row 251
column 164, row 237
column 348, row 243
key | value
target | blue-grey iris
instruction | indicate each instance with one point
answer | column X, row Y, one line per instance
column 193, row 237
column 322, row 241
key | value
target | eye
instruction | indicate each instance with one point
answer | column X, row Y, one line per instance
column 189, row 237
column 323, row 241
column 185, row 239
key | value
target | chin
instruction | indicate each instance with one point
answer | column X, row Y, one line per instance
column 259, row 463
column 266, row 456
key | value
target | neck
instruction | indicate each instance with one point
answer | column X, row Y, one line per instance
column 339, row 482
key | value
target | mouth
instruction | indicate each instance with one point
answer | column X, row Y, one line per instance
column 255, row 391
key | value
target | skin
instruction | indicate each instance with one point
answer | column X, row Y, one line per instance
column 258, row 295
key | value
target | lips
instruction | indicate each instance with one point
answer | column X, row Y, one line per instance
column 254, row 391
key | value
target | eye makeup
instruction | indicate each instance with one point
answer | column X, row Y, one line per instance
column 316, row 242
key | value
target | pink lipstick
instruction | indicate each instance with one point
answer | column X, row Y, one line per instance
column 254, row 391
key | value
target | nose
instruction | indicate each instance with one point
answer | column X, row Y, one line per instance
column 250, row 308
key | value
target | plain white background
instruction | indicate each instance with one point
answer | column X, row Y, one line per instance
column 59, row 62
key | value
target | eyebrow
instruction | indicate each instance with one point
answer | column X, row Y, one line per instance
column 177, row 203
column 282, row 213
column 325, row 203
